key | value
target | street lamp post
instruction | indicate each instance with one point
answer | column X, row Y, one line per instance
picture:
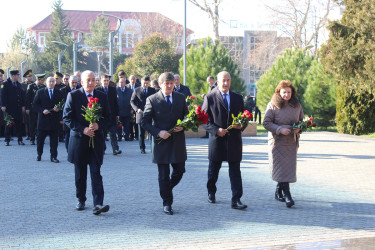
column 22, row 66
column 112, row 34
column 59, row 56
column 75, row 48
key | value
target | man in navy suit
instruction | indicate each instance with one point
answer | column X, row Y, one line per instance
column 79, row 151
column 138, row 101
column 220, row 104
column 162, row 110
column 49, row 117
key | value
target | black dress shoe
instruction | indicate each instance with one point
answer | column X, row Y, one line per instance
column 117, row 152
column 129, row 139
column 119, row 139
column 27, row 138
column 80, row 205
column 168, row 210
column 238, row 205
column 98, row 209
column 211, row 198
column 39, row 158
column 32, row 142
column 7, row 143
column 143, row 151
column 55, row 160
column 21, row 143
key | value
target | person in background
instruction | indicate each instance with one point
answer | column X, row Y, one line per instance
column 13, row 103
column 138, row 102
column 125, row 110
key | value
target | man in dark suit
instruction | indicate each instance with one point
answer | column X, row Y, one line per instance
column 223, row 145
column 138, row 102
column 79, row 151
column 28, row 79
column 59, row 85
column 124, row 95
column 49, row 117
column 113, row 106
column 72, row 86
column 33, row 114
column 181, row 88
column 133, row 125
column 13, row 102
column 162, row 110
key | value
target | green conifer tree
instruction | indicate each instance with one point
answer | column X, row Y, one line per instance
column 349, row 55
column 209, row 58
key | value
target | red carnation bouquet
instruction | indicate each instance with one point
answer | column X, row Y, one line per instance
column 241, row 119
column 9, row 120
column 92, row 114
column 305, row 124
column 193, row 120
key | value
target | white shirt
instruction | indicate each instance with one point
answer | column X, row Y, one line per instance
column 165, row 97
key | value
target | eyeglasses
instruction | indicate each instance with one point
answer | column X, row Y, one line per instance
column 75, row 82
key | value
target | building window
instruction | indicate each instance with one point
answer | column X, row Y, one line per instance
column 42, row 38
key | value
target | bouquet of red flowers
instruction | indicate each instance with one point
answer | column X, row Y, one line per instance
column 303, row 125
column 92, row 114
column 9, row 120
column 193, row 120
column 242, row 119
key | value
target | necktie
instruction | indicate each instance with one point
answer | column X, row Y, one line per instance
column 226, row 101
column 106, row 90
column 169, row 102
column 145, row 91
column 50, row 94
column 123, row 90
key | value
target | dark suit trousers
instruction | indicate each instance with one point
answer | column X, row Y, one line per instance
column 125, row 120
column 166, row 183
column 67, row 136
column 53, row 141
column 112, row 134
column 32, row 124
column 96, row 180
column 141, row 137
column 234, row 176
column 19, row 130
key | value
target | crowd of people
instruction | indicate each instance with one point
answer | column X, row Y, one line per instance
column 131, row 107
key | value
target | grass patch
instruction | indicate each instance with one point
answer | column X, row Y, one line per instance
column 372, row 135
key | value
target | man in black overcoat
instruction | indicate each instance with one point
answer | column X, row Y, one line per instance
column 224, row 145
column 113, row 106
column 125, row 110
column 72, row 86
column 13, row 103
column 133, row 84
column 49, row 117
column 30, row 95
column 181, row 88
column 162, row 110
column 79, row 151
column 138, row 102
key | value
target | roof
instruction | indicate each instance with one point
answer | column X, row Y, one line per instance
column 80, row 19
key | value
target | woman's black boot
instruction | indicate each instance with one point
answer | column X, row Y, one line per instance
column 279, row 193
column 288, row 197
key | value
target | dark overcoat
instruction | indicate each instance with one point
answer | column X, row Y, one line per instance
column 229, row 147
column 123, row 99
column 158, row 116
column 78, row 150
column 138, row 101
column 41, row 102
column 185, row 90
column 113, row 104
column 13, row 98
column 30, row 94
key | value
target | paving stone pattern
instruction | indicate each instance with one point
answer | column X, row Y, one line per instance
column 334, row 195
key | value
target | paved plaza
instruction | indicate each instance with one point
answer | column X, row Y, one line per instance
column 334, row 195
